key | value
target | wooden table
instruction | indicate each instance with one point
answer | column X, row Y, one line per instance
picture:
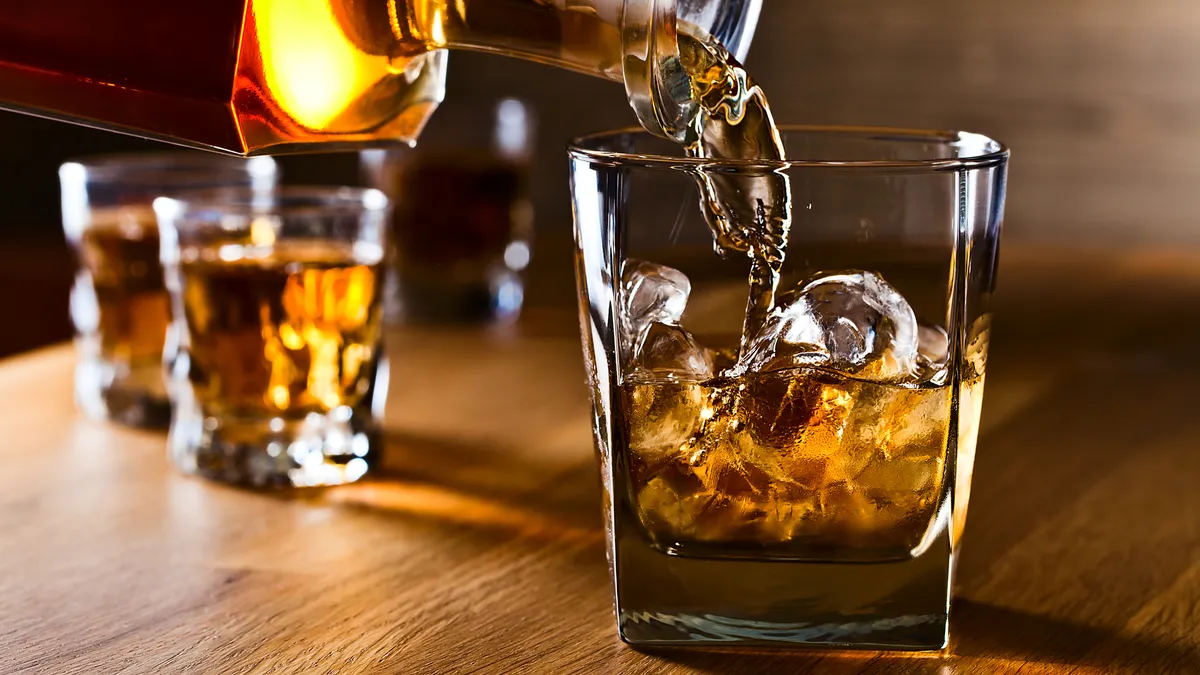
column 482, row 550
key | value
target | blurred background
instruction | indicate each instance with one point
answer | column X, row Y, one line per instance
column 1100, row 101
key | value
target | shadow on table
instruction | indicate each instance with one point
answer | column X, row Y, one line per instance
column 986, row 638
column 985, row 630
column 482, row 487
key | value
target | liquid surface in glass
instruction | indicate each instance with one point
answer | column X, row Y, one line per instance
column 287, row 331
column 810, row 460
column 119, row 249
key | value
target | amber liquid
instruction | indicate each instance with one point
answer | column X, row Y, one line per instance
column 288, row 332
column 799, row 463
column 120, row 251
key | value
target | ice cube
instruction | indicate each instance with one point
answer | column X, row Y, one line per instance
column 651, row 293
column 663, row 418
column 791, row 337
column 855, row 323
column 933, row 345
column 669, row 513
column 668, row 350
column 933, row 352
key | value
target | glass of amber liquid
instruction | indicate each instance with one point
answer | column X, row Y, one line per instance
column 462, row 220
column 280, row 379
column 786, row 428
column 119, row 303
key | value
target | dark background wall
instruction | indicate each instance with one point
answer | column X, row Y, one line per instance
column 1100, row 100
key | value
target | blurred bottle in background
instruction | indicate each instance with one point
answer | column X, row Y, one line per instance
column 462, row 220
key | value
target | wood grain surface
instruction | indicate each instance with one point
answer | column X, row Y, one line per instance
column 481, row 550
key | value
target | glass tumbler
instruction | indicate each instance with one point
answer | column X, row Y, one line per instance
column 786, row 432
column 462, row 220
column 280, row 378
column 119, row 304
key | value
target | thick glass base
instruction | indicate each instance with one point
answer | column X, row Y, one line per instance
column 318, row 450
column 665, row 600
column 132, row 396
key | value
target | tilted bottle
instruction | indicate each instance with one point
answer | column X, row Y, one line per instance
column 270, row 76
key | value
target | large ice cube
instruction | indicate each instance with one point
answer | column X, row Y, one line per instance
column 663, row 417
column 855, row 323
column 666, row 350
column 651, row 293
column 933, row 353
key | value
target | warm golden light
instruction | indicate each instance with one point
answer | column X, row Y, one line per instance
column 312, row 70
column 439, row 503
column 262, row 232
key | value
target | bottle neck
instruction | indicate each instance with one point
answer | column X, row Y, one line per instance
column 579, row 35
column 655, row 33
column 658, row 89
column 631, row 41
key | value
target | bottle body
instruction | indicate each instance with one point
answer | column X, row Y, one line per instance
column 270, row 76
column 240, row 76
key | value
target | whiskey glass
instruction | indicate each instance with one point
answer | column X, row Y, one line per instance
column 788, row 466
column 462, row 220
column 280, row 377
column 119, row 304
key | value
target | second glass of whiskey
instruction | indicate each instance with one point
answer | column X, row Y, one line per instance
column 786, row 428
column 119, row 304
column 462, row 219
column 280, row 379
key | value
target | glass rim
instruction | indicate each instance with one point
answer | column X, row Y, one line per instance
column 290, row 200
column 994, row 152
column 166, row 166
